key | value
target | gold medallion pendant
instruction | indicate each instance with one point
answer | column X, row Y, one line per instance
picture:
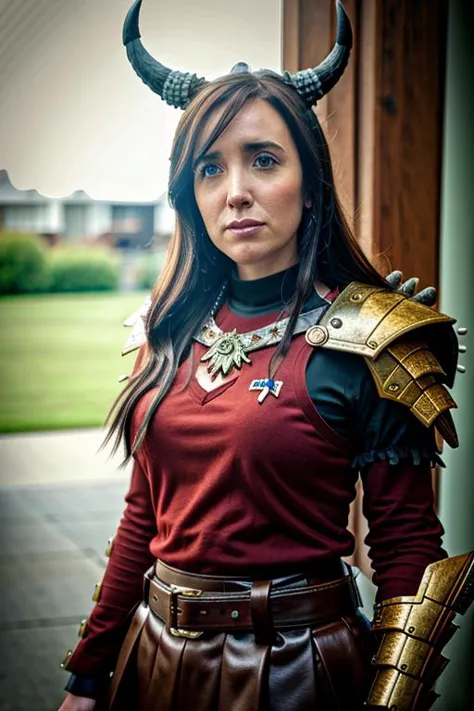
column 226, row 352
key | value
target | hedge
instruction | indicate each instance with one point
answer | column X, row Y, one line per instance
column 23, row 264
column 82, row 269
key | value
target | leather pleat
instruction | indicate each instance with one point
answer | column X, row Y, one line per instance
column 148, row 648
column 342, row 665
column 124, row 684
column 243, row 673
column 291, row 680
column 201, row 669
column 324, row 668
column 164, row 684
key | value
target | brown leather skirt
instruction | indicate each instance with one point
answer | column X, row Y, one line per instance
column 207, row 643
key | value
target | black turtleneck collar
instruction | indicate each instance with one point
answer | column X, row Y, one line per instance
column 271, row 293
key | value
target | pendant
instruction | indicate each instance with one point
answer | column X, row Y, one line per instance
column 226, row 352
column 266, row 385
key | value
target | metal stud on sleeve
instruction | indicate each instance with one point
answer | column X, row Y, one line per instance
column 110, row 545
column 65, row 662
column 82, row 629
column 97, row 590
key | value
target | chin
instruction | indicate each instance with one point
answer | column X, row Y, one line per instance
column 249, row 254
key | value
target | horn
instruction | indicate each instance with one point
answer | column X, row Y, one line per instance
column 313, row 84
column 176, row 88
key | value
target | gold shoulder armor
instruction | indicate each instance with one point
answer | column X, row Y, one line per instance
column 410, row 349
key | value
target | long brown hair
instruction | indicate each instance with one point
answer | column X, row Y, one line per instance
column 195, row 269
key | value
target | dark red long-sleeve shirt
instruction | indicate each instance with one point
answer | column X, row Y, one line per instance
column 226, row 485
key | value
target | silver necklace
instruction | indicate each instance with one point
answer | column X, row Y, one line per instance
column 228, row 350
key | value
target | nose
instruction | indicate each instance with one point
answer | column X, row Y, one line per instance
column 239, row 193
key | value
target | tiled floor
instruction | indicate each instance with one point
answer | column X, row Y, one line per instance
column 52, row 541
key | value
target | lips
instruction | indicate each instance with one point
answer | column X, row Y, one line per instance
column 245, row 228
column 241, row 224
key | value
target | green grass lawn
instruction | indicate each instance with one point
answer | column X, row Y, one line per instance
column 60, row 358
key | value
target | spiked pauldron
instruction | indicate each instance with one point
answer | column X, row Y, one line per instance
column 410, row 349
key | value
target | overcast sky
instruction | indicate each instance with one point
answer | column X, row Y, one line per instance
column 74, row 115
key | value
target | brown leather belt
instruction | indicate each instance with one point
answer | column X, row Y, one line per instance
column 193, row 606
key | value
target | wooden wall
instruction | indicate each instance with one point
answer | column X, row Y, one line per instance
column 384, row 123
column 383, row 120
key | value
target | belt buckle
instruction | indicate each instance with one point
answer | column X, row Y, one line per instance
column 173, row 611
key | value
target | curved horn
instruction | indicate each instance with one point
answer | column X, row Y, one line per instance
column 313, row 84
column 176, row 88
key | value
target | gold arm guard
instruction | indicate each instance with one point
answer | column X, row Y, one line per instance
column 410, row 349
column 415, row 629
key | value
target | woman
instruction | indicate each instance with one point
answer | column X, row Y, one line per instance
column 249, row 421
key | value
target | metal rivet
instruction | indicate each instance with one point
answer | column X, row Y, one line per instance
column 461, row 369
column 336, row 322
column 462, row 349
column 155, row 598
column 356, row 297
column 411, row 629
column 234, row 614
column 316, row 335
column 372, row 344
column 404, row 666
column 462, row 331
column 393, row 387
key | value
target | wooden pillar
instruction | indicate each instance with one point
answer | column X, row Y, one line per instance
column 409, row 101
column 383, row 122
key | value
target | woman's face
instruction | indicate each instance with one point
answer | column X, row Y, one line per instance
column 249, row 190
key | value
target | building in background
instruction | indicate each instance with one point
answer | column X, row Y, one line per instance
column 79, row 219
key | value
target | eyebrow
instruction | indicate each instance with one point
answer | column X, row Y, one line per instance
column 250, row 147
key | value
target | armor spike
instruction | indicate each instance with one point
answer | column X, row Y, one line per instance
column 176, row 88
column 313, row 84
column 394, row 278
column 409, row 286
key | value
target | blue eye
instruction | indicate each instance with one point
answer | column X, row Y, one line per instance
column 209, row 170
column 265, row 160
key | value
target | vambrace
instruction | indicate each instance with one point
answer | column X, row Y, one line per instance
column 415, row 630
